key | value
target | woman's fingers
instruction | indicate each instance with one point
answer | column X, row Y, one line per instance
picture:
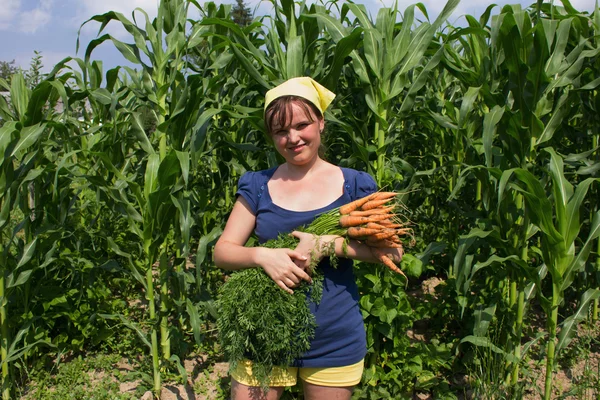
column 284, row 287
column 296, row 255
column 299, row 261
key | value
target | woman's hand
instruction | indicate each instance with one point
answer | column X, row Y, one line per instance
column 313, row 247
column 394, row 254
column 280, row 265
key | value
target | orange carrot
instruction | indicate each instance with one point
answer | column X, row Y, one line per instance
column 395, row 239
column 383, row 244
column 356, row 232
column 350, row 220
column 374, row 225
column 380, row 235
column 390, row 224
column 347, row 208
column 384, row 195
column 371, row 204
column 379, row 210
column 388, row 262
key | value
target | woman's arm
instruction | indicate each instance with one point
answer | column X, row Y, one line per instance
column 314, row 246
column 231, row 253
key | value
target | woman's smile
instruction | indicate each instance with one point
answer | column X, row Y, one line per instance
column 297, row 148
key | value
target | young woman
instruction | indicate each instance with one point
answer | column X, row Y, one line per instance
column 282, row 199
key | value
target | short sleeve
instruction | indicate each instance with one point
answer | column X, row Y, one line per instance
column 247, row 188
column 364, row 185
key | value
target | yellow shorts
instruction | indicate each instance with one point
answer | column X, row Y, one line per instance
column 348, row 375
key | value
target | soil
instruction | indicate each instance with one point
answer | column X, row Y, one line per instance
column 204, row 382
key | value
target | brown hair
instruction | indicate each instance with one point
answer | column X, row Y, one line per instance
column 280, row 111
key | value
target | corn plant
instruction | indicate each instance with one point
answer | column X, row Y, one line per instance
column 518, row 125
column 155, row 170
column 37, row 201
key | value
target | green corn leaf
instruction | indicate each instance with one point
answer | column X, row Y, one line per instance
column 23, row 277
column 184, row 164
column 540, row 207
column 14, row 353
column 169, row 170
column 400, row 45
column 418, row 84
column 195, row 321
column 462, row 269
column 466, row 106
column 19, row 95
column 578, row 262
column 421, row 40
column 5, row 209
column 27, row 137
column 37, row 102
column 182, row 371
column 129, row 51
column 554, row 64
column 5, row 112
column 102, row 96
column 28, row 252
column 490, row 124
column 562, row 190
column 151, row 175
column 486, row 342
column 333, row 27
column 138, row 130
column 569, row 327
column 373, row 48
column 197, row 35
column 572, row 222
column 247, row 65
column 343, row 48
column 6, row 136
column 295, row 59
column 483, row 318
column 185, row 222
column 203, row 243
column 561, row 110
column 132, row 268
column 135, row 327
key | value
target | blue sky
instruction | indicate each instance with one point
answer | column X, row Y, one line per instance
column 51, row 26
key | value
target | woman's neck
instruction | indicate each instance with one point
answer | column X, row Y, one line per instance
column 297, row 172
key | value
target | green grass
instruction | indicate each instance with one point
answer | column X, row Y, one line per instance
column 93, row 378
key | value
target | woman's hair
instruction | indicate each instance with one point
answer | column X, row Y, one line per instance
column 279, row 112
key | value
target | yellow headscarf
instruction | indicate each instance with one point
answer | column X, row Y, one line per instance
column 304, row 87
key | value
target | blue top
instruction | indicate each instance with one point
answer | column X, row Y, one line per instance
column 340, row 334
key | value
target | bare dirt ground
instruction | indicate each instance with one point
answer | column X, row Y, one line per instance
column 204, row 382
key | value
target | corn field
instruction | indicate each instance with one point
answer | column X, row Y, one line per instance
column 490, row 130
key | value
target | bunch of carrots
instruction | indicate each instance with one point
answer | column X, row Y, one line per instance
column 372, row 219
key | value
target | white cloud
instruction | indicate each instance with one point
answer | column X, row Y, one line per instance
column 32, row 20
column 89, row 8
column 8, row 12
column 13, row 17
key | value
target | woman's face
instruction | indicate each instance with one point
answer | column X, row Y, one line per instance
column 298, row 141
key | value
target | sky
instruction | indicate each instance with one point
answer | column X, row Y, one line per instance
column 51, row 26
